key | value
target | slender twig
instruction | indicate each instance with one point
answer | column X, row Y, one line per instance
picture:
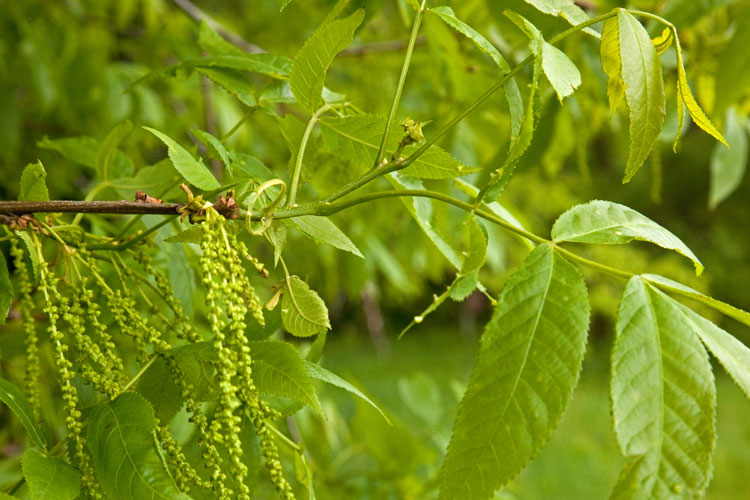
column 88, row 207
column 401, row 80
column 198, row 15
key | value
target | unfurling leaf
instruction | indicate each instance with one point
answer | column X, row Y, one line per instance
column 194, row 171
column 728, row 165
column 311, row 62
column 124, row 454
column 524, row 375
column 303, row 312
column 663, row 399
column 607, row 223
column 644, row 89
column 50, row 478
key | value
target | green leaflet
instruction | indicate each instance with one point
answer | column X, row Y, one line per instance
column 194, row 172
column 213, row 43
column 318, row 372
column 279, row 369
column 523, row 377
column 356, row 138
column 733, row 355
column 83, row 150
column 33, row 186
column 18, row 404
column 607, row 223
column 323, row 230
column 50, row 478
column 685, row 96
column 567, row 9
column 644, row 89
column 562, row 74
column 512, row 93
column 124, row 454
column 722, row 307
column 105, row 157
column 6, row 290
column 663, row 399
column 728, row 165
column 303, row 312
column 233, row 82
column 214, row 148
column 311, row 62
column 609, row 53
column 33, row 255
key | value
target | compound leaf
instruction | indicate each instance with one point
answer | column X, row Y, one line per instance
column 303, row 312
column 195, row 172
column 607, row 223
column 18, row 404
column 279, row 369
column 528, row 364
column 121, row 440
column 644, row 89
column 663, row 398
column 50, row 478
column 311, row 62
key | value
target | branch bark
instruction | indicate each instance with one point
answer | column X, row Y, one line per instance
column 89, row 207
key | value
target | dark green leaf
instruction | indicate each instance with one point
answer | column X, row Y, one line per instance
column 50, row 478
column 123, row 449
column 524, row 375
column 18, row 404
column 6, row 290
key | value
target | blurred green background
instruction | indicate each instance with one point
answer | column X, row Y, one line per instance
column 67, row 70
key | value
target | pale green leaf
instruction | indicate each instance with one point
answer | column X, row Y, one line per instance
column 33, row 185
column 303, row 312
column 107, row 153
column 607, row 223
column 194, row 171
column 644, row 89
column 663, row 399
column 6, row 290
column 233, row 82
column 609, row 54
column 14, row 399
column 323, row 230
column 193, row 234
column 214, row 147
column 524, row 375
column 313, row 59
column 476, row 253
column 685, row 96
column 124, row 453
column 463, row 286
column 50, row 478
column 567, row 9
column 357, row 138
column 318, row 372
column 279, row 369
column 733, row 355
column 728, row 165
column 722, row 307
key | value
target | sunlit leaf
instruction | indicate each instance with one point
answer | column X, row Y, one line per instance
column 607, row 223
column 663, row 399
column 323, row 230
column 609, row 53
column 567, row 9
column 194, row 171
column 523, row 377
column 303, row 312
column 123, row 449
column 311, row 62
column 33, row 185
column 50, row 478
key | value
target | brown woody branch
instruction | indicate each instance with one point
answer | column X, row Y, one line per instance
column 88, row 207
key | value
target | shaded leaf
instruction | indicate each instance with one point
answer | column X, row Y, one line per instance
column 323, row 230
column 83, row 150
column 50, row 478
column 607, row 223
column 33, row 185
column 19, row 405
column 279, row 369
column 663, row 399
column 194, row 172
column 311, row 62
column 523, row 377
column 123, row 450
column 728, row 165
column 6, row 290
column 107, row 153
column 303, row 312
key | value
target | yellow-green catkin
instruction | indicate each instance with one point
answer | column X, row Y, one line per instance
column 26, row 306
column 56, row 306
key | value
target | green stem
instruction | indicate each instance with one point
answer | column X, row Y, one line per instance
column 127, row 244
column 400, row 87
column 238, row 125
column 301, row 153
